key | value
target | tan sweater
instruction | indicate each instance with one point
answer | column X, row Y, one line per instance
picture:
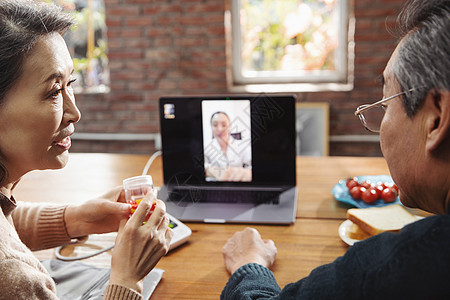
column 34, row 226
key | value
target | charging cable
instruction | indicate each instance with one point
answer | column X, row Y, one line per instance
column 150, row 161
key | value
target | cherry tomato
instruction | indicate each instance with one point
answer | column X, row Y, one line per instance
column 367, row 184
column 382, row 184
column 394, row 187
column 370, row 192
column 356, row 192
column 369, row 195
column 352, row 182
column 379, row 188
column 391, row 184
column 389, row 194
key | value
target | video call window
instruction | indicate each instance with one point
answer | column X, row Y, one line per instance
column 227, row 140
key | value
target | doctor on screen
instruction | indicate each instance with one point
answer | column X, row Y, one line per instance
column 226, row 158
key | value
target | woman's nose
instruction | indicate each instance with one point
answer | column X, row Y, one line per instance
column 71, row 112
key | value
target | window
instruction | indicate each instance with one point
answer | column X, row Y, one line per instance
column 289, row 42
column 87, row 43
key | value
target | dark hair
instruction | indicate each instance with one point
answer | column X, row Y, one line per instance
column 423, row 60
column 22, row 22
column 216, row 113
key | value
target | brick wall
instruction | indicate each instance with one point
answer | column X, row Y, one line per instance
column 177, row 47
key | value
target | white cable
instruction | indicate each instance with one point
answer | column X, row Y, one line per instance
column 66, row 258
column 150, row 161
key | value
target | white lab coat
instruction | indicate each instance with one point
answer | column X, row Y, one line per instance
column 238, row 154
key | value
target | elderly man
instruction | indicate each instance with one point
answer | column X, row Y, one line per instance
column 415, row 140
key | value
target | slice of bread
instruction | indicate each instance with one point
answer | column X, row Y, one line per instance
column 376, row 220
column 356, row 233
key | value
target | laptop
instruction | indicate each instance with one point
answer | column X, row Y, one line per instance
column 229, row 159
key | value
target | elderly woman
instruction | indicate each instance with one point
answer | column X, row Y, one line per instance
column 37, row 116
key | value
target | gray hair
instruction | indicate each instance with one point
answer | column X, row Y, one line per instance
column 423, row 60
column 22, row 22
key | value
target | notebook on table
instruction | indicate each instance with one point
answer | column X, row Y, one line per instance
column 229, row 159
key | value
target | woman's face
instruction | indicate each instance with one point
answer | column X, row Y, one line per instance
column 220, row 126
column 38, row 113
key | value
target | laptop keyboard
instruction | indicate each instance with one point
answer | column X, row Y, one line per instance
column 224, row 196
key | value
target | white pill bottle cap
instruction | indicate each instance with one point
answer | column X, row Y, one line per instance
column 138, row 181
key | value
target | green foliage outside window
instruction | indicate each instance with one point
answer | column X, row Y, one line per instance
column 288, row 35
column 87, row 43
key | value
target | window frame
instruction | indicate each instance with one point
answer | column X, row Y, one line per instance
column 91, row 39
column 340, row 79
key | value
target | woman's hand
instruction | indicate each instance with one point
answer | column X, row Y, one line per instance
column 237, row 174
column 100, row 215
column 229, row 173
column 140, row 246
column 247, row 247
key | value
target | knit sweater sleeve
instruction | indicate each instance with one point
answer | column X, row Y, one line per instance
column 40, row 226
column 21, row 279
column 249, row 281
column 118, row 292
column 254, row 281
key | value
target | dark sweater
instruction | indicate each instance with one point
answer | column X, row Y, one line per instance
column 412, row 264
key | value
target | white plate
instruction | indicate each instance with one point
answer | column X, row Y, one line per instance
column 343, row 228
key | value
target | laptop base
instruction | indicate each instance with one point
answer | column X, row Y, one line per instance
column 284, row 212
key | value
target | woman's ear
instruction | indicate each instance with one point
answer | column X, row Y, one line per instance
column 437, row 103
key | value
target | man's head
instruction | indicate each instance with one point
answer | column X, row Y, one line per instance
column 423, row 55
column 415, row 132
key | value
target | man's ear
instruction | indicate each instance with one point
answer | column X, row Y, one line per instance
column 437, row 103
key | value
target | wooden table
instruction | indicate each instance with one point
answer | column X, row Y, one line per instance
column 195, row 270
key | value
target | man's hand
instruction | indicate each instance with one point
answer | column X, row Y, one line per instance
column 247, row 247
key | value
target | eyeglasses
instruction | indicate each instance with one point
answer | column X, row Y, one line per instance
column 371, row 115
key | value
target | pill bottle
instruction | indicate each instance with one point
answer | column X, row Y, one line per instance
column 136, row 188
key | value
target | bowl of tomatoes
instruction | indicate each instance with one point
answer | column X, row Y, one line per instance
column 367, row 191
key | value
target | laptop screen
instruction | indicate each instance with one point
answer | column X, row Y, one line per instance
column 228, row 141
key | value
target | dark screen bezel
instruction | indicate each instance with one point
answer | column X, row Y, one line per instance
column 273, row 141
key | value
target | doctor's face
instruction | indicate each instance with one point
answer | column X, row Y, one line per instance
column 220, row 124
